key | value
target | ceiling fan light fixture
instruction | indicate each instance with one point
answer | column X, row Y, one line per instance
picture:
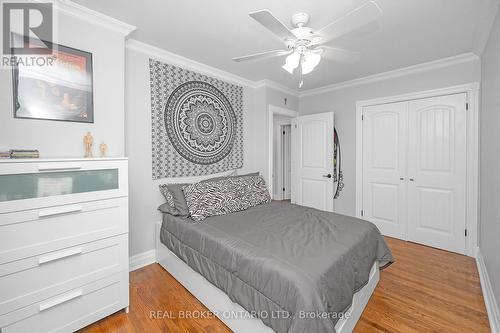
column 292, row 62
column 309, row 61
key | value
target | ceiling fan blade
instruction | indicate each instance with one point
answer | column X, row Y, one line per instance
column 274, row 25
column 353, row 20
column 339, row 54
column 263, row 55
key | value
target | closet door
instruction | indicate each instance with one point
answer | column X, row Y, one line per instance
column 437, row 172
column 384, row 167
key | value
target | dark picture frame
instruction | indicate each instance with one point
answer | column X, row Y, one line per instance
column 62, row 91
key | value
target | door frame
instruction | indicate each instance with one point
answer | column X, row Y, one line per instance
column 274, row 110
column 281, row 157
column 472, row 151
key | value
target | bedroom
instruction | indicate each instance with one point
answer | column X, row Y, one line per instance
column 146, row 184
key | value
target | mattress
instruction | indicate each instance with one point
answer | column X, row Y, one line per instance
column 295, row 268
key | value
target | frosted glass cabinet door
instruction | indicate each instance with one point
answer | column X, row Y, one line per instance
column 37, row 185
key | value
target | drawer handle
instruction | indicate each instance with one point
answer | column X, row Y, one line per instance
column 59, row 166
column 59, row 300
column 59, row 210
column 59, row 255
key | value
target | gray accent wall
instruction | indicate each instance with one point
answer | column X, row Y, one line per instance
column 343, row 103
column 490, row 158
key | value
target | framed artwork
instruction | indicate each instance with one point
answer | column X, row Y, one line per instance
column 62, row 90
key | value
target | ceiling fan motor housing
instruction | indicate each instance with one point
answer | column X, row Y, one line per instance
column 300, row 20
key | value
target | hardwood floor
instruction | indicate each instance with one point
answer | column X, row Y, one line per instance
column 425, row 290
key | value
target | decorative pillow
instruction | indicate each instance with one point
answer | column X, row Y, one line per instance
column 225, row 196
column 175, row 197
column 167, row 208
column 168, row 196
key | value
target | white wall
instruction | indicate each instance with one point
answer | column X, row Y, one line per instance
column 65, row 139
column 265, row 96
column 144, row 194
column 489, row 159
column 343, row 103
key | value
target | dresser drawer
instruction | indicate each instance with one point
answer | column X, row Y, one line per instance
column 72, row 310
column 33, row 279
column 36, row 184
column 31, row 232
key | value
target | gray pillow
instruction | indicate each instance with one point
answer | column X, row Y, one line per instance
column 168, row 196
column 167, row 208
column 225, row 196
column 178, row 198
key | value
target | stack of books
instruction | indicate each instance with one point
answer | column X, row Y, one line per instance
column 5, row 154
column 24, row 153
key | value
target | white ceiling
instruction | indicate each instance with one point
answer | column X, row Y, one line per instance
column 212, row 32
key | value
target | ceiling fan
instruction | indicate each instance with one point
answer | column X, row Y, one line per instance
column 304, row 46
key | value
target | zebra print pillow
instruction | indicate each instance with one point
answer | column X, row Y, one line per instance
column 225, row 196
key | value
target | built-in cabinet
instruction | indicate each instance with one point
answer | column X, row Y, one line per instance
column 63, row 243
column 414, row 170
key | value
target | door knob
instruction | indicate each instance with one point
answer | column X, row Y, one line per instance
column 328, row 175
column 412, row 180
column 401, row 178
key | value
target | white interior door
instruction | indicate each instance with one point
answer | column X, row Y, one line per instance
column 312, row 161
column 384, row 167
column 437, row 172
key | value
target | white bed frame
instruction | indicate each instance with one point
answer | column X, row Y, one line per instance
column 219, row 302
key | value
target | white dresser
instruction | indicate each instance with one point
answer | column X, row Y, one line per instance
column 63, row 243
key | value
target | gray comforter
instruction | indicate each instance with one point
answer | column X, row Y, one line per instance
column 296, row 268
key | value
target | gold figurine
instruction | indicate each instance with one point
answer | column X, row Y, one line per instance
column 88, row 141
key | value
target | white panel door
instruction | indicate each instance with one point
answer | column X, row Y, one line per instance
column 312, row 161
column 437, row 172
column 384, row 167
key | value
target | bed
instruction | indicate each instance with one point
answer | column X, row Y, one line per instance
column 276, row 267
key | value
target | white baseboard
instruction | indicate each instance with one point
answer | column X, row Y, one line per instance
column 142, row 259
column 489, row 297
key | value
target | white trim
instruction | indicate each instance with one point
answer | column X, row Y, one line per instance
column 276, row 86
column 178, row 60
column 488, row 295
column 472, row 91
column 142, row 259
column 427, row 66
column 184, row 62
column 78, row 11
column 273, row 109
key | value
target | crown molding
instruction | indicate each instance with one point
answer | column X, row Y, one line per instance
column 276, row 86
column 178, row 60
column 175, row 59
column 423, row 67
column 78, row 11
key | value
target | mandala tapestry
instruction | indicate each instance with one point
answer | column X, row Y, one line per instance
column 197, row 123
